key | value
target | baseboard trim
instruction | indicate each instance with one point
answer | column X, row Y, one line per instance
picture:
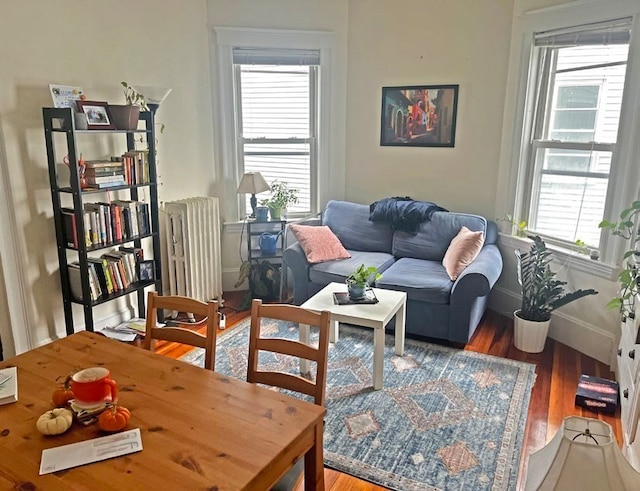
column 575, row 333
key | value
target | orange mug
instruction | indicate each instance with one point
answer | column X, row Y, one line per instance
column 92, row 387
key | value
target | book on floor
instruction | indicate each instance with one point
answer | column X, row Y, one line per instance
column 8, row 385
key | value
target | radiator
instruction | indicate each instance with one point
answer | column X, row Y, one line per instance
column 193, row 247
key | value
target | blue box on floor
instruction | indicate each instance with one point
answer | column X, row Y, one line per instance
column 597, row 394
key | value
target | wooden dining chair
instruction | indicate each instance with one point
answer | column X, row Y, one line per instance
column 295, row 348
column 207, row 312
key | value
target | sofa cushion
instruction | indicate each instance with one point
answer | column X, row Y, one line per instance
column 350, row 222
column 422, row 280
column 464, row 248
column 319, row 243
column 434, row 236
column 324, row 273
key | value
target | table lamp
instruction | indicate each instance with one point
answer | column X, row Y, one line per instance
column 253, row 183
column 153, row 96
column 583, row 455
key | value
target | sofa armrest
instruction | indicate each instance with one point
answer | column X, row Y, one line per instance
column 295, row 260
column 479, row 277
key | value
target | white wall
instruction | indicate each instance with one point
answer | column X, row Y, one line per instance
column 437, row 42
column 95, row 45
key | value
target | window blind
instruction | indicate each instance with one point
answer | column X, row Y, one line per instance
column 612, row 32
column 269, row 56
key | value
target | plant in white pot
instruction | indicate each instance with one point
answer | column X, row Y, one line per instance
column 542, row 293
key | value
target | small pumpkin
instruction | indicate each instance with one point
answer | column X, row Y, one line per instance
column 55, row 421
column 61, row 396
column 114, row 419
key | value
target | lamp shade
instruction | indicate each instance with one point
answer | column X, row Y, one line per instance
column 582, row 455
column 253, row 183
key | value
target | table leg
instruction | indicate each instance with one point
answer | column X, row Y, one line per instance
column 314, row 463
column 378, row 357
column 399, row 332
column 305, row 337
column 333, row 331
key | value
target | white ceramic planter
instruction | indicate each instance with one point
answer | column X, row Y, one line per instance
column 529, row 336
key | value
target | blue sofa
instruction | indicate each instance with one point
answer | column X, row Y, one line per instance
column 437, row 307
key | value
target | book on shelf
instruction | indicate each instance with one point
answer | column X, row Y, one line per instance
column 343, row 298
column 116, row 169
column 97, row 180
column 75, row 282
column 70, row 227
column 8, row 385
column 104, row 277
column 100, row 164
column 106, row 185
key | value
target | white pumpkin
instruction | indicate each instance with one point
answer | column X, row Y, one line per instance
column 55, row 421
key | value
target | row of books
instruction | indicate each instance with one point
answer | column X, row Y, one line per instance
column 130, row 169
column 109, row 273
column 107, row 223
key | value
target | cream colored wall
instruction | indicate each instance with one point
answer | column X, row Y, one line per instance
column 96, row 45
column 414, row 43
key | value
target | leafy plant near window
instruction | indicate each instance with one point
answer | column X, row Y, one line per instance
column 627, row 229
column 133, row 97
column 542, row 293
column 281, row 195
column 520, row 225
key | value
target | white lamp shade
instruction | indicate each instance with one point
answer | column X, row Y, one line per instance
column 581, row 464
column 153, row 95
column 253, row 183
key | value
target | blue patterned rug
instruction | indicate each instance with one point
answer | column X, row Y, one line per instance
column 446, row 419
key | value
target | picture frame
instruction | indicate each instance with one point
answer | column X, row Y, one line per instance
column 146, row 270
column 65, row 95
column 419, row 116
column 98, row 114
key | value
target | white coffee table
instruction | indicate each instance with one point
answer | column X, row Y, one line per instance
column 375, row 316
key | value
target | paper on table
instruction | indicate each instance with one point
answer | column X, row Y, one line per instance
column 113, row 333
column 94, row 450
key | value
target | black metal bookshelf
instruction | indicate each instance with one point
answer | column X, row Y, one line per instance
column 61, row 120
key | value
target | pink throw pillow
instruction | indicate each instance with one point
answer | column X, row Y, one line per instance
column 463, row 249
column 319, row 244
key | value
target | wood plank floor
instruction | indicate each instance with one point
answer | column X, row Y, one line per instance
column 558, row 369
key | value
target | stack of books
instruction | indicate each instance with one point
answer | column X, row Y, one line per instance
column 102, row 174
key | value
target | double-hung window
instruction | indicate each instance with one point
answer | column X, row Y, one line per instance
column 276, row 118
column 576, row 82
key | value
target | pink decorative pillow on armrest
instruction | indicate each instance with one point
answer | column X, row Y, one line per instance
column 463, row 249
column 319, row 244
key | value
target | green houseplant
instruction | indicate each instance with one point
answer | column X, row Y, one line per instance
column 360, row 279
column 281, row 196
column 126, row 116
column 628, row 276
column 542, row 293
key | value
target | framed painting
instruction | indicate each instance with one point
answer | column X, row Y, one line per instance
column 419, row 116
column 98, row 115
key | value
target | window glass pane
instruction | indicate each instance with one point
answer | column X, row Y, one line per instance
column 581, row 96
column 575, row 120
column 570, row 207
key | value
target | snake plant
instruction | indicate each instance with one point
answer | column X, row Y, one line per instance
column 542, row 293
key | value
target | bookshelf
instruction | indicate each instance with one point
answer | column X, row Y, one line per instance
column 111, row 224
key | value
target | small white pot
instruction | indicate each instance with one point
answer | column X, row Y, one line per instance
column 529, row 336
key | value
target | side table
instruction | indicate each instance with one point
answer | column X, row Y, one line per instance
column 266, row 278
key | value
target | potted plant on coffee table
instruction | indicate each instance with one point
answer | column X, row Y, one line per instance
column 542, row 293
column 360, row 280
column 281, row 196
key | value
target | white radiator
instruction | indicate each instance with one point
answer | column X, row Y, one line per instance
column 193, row 246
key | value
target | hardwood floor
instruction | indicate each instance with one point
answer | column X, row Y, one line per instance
column 558, row 369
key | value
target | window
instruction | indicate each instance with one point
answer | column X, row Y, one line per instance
column 576, row 82
column 276, row 127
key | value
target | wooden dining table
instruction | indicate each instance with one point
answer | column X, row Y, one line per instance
column 199, row 429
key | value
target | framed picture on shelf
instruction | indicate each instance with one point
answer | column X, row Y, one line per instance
column 98, row 115
column 419, row 116
column 146, row 270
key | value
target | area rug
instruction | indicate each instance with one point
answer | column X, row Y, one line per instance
column 446, row 418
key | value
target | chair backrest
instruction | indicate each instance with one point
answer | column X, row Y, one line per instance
column 290, row 347
column 181, row 335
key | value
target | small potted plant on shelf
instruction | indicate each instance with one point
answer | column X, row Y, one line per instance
column 628, row 278
column 281, row 196
column 360, row 280
column 542, row 293
column 126, row 116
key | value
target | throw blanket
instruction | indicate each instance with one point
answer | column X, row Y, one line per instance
column 402, row 213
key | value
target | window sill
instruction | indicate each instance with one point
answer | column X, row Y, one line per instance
column 565, row 257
